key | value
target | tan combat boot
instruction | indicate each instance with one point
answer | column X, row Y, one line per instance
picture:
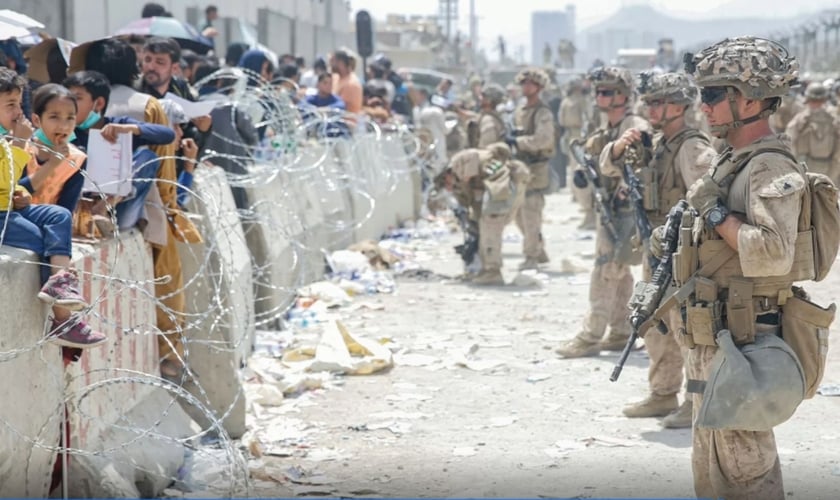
column 578, row 348
column 588, row 223
column 530, row 263
column 489, row 278
column 614, row 343
column 652, row 406
column 681, row 418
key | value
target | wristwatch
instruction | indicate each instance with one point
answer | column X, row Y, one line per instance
column 717, row 215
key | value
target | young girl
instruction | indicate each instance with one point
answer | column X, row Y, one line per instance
column 43, row 229
column 54, row 179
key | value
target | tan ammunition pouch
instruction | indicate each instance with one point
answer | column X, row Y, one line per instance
column 650, row 181
column 805, row 327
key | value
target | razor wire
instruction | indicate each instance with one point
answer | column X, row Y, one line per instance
column 310, row 181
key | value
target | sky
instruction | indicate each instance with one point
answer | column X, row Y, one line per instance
column 513, row 19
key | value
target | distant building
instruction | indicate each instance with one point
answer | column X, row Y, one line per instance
column 549, row 27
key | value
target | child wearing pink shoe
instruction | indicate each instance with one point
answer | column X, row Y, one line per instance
column 43, row 229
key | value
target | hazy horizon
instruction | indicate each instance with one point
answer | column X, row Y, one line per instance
column 496, row 18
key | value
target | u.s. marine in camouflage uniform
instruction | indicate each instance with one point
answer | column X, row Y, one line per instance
column 489, row 126
column 533, row 145
column 492, row 185
column 815, row 134
column 611, row 283
column 681, row 155
column 749, row 206
column 574, row 115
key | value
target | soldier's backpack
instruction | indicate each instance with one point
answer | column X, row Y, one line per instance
column 805, row 325
column 820, row 212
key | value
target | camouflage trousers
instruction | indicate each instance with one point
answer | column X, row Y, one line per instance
column 735, row 465
column 490, row 230
column 610, row 288
column 665, row 373
column 529, row 221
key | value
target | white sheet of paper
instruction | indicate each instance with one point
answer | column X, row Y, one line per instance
column 109, row 165
column 192, row 109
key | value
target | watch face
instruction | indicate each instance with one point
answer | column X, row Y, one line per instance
column 716, row 216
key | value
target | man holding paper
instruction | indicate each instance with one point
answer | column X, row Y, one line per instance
column 160, row 57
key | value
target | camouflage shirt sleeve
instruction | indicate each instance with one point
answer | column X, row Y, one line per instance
column 543, row 137
column 694, row 159
column 613, row 168
column 767, row 238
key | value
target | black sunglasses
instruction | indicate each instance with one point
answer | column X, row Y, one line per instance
column 606, row 92
column 712, row 95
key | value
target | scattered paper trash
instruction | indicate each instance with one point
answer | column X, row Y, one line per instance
column 574, row 266
column 829, row 390
column 340, row 351
column 538, row 377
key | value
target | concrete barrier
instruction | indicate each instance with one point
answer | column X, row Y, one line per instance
column 220, row 308
column 401, row 200
column 270, row 228
column 117, row 413
column 332, row 184
column 127, row 429
column 374, row 179
column 304, row 185
column 33, row 388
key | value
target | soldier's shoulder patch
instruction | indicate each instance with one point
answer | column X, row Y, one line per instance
column 782, row 186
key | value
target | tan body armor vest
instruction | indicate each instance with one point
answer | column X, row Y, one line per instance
column 662, row 179
column 723, row 296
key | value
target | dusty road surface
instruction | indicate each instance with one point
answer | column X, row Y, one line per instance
column 477, row 404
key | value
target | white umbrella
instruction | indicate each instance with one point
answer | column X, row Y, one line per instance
column 8, row 30
column 13, row 17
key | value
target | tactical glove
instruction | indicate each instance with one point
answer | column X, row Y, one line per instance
column 579, row 179
column 656, row 242
column 704, row 195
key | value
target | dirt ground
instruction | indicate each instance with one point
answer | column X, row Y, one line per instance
column 478, row 405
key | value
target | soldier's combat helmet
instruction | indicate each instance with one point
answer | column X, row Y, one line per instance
column 493, row 92
column 758, row 68
column 674, row 88
column 816, row 91
column 612, row 77
column 535, row 75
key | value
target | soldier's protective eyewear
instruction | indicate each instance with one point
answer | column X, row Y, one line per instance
column 606, row 92
column 712, row 95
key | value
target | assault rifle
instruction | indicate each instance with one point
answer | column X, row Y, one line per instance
column 635, row 189
column 648, row 295
column 469, row 248
column 599, row 192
